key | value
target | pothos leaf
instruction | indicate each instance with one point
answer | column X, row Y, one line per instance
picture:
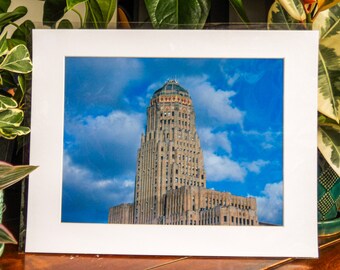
column 7, row 17
column 178, row 14
column 99, row 13
column 53, row 11
column 72, row 3
column 238, row 7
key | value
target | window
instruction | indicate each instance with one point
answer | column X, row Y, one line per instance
column 225, row 218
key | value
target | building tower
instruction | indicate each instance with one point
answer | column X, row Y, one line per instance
column 170, row 155
column 170, row 184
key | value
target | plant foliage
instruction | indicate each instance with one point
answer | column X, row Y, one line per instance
column 98, row 13
column 178, row 13
column 15, row 64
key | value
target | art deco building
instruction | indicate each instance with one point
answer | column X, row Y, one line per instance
column 170, row 185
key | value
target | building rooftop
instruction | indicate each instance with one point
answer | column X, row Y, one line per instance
column 171, row 87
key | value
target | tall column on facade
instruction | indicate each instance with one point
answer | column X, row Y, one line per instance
column 170, row 155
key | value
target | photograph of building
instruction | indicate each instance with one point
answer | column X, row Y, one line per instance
column 170, row 185
column 173, row 141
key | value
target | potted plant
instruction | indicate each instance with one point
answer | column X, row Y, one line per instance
column 15, row 65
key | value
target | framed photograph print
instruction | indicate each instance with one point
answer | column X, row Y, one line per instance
column 174, row 142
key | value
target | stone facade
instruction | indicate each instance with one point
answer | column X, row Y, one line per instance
column 121, row 214
column 170, row 185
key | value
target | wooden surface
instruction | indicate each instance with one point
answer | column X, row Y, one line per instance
column 329, row 258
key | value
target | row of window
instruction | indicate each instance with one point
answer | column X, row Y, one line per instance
column 215, row 221
column 180, row 114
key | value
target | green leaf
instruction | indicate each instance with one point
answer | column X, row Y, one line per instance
column 11, row 132
column 329, row 74
column 6, row 236
column 10, row 175
column 11, row 117
column 7, row 103
column 279, row 19
column 65, row 24
column 329, row 145
column 99, row 13
column 24, row 32
column 12, row 43
column 4, row 5
column 22, row 86
column 53, row 11
column 107, row 8
column 239, row 8
column 294, row 8
column 8, row 80
column 8, row 17
column 72, row 3
column 94, row 17
column 3, row 45
column 178, row 14
column 17, row 60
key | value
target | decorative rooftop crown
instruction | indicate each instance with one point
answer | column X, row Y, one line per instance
column 171, row 87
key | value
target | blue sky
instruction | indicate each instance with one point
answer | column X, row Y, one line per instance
column 239, row 114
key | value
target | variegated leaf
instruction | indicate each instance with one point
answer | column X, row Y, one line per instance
column 7, row 103
column 329, row 145
column 3, row 45
column 294, row 9
column 326, row 19
column 329, row 73
column 279, row 19
column 6, row 237
column 11, row 117
column 10, row 175
column 17, row 60
column 11, row 132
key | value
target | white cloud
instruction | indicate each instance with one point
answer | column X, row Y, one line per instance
column 212, row 141
column 107, row 143
column 211, row 102
column 87, row 192
column 232, row 79
column 232, row 76
column 268, row 139
column 270, row 204
column 220, row 168
column 113, row 78
column 255, row 166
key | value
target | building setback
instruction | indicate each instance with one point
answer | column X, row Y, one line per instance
column 170, row 185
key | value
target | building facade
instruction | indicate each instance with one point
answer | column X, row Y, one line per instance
column 170, row 184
